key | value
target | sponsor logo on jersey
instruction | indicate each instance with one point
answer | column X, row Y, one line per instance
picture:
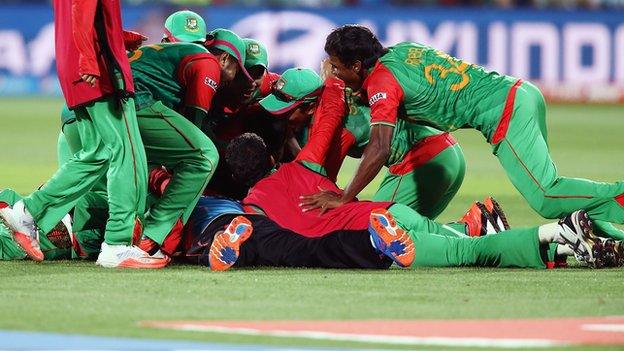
column 211, row 83
column 191, row 24
column 379, row 96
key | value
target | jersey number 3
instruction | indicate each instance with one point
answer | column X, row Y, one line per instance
column 456, row 67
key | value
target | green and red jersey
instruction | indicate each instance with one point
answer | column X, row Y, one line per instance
column 176, row 74
column 416, row 83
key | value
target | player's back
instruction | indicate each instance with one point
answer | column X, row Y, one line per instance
column 444, row 91
column 156, row 71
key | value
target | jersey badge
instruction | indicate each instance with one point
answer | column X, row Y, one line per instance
column 211, row 83
column 379, row 96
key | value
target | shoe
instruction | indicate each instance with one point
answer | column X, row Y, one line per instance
column 495, row 209
column 25, row 231
column 390, row 239
column 226, row 244
column 610, row 254
column 479, row 221
column 576, row 232
column 123, row 256
column 61, row 235
column 148, row 245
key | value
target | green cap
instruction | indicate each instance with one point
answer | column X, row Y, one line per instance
column 256, row 53
column 185, row 26
column 295, row 86
column 231, row 43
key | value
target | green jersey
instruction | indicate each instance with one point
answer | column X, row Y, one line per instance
column 176, row 74
column 406, row 134
column 416, row 83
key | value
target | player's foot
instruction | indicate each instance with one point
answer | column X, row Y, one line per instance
column 122, row 256
column 495, row 209
column 390, row 239
column 226, row 245
column 609, row 253
column 25, row 231
column 576, row 232
column 478, row 220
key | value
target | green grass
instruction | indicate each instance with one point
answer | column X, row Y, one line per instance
column 77, row 297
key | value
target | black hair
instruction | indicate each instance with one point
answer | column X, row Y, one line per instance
column 215, row 51
column 353, row 42
column 248, row 159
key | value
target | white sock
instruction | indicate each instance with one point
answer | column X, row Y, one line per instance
column 564, row 250
column 548, row 233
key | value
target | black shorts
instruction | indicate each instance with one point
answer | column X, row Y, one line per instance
column 272, row 245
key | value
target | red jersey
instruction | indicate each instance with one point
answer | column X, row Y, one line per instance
column 278, row 196
column 89, row 40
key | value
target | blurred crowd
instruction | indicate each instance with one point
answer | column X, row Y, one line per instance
column 546, row 4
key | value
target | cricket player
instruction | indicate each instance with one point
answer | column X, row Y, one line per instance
column 97, row 84
column 414, row 239
column 175, row 86
column 410, row 82
column 425, row 167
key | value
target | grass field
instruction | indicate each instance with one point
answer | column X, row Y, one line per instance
column 78, row 297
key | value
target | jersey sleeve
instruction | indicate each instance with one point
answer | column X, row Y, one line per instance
column 83, row 27
column 327, row 123
column 201, row 79
column 384, row 96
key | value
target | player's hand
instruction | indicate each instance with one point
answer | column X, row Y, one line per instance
column 133, row 40
column 89, row 79
column 325, row 200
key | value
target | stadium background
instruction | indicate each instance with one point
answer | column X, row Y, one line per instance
column 573, row 49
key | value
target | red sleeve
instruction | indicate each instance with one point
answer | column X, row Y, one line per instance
column 201, row 79
column 83, row 24
column 267, row 83
column 339, row 150
column 384, row 95
column 327, row 123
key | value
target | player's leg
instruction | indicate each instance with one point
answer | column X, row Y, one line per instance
column 524, row 155
column 413, row 221
column 272, row 245
column 427, row 188
column 173, row 141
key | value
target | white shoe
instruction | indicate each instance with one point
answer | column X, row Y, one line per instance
column 25, row 231
column 122, row 256
column 577, row 233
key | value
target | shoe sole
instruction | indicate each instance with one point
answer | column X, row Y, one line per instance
column 225, row 248
column 497, row 211
column 147, row 263
column 385, row 230
column 23, row 240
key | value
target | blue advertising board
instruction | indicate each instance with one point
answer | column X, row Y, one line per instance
column 565, row 51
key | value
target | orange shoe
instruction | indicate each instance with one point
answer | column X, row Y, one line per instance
column 390, row 239
column 25, row 231
column 226, row 244
column 495, row 209
column 122, row 256
column 478, row 221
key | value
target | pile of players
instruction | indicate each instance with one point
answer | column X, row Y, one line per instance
column 192, row 150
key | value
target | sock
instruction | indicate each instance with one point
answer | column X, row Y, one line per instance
column 548, row 233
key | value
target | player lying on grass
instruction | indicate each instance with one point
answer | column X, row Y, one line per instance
column 97, row 84
column 410, row 82
column 276, row 194
column 425, row 166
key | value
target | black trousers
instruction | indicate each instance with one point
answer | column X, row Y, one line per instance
column 272, row 245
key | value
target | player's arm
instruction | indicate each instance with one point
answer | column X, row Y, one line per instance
column 201, row 79
column 327, row 124
column 385, row 96
column 83, row 25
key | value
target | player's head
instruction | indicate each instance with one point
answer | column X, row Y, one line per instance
column 230, row 51
column 248, row 159
column 352, row 50
column 256, row 62
column 295, row 96
column 184, row 26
